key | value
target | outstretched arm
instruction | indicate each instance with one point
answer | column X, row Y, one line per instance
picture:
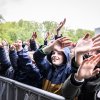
column 86, row 70
column 25, row 62
column 84, row 46
column 58, row 44
column 61, row 25
column 4, row 61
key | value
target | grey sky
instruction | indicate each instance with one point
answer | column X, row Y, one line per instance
column 79, row 13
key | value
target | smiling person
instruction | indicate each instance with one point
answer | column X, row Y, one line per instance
column 54, row 62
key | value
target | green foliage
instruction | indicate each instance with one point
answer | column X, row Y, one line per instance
column 11, row 31
column 49, row 26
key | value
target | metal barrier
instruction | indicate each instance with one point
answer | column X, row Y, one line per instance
column 13, row 90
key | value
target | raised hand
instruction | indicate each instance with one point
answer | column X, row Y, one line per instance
column 84, row 44
column 61, row 25
column 96, row 42
column 87, row 44
column 47, row 35
column 34, row 35
column 88, row 68
column 96, row 37
column 61, row 42
column 12, row 47
column 58, row 44
column 64, row 21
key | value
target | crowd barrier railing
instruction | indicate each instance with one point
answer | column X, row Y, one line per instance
column 13, row 90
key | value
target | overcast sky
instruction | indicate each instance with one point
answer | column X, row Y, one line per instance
column 78, row 13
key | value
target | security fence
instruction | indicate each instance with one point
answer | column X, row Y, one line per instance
column 13, row 90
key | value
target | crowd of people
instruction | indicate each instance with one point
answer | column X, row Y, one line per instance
column 58, row 66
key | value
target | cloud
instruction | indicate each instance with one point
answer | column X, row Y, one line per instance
column 79, row 13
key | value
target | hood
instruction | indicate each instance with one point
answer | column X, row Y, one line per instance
column 66, row 52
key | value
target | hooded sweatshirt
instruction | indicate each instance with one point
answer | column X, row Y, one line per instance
column 53, row 76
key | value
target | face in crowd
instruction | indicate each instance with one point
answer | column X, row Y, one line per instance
column 57, row 57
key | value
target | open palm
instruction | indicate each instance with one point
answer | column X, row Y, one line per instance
column 87, row 69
